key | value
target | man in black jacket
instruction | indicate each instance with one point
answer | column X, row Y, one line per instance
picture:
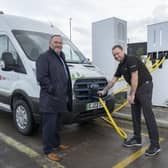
column 55, row 94
column 140, row 80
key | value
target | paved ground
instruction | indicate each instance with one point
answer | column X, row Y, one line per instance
column 95, row 145
column 9, row 157
column 161, row 114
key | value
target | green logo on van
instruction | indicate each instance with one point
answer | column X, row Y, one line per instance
column 76, row 75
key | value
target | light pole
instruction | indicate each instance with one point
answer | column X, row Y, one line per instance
column 70, row 19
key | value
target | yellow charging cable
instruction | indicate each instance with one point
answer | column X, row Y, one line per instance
column 148, row 60
column 120, row 107
column 111, row 121
column 125, row 88
column 157, row 65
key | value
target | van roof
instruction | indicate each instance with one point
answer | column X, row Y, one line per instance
column 10, row 22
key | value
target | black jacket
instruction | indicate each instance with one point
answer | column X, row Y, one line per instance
column 56, row 88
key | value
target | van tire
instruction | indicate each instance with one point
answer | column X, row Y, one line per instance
column 22, row 117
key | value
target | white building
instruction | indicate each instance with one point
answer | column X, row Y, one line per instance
column 105, row 34
column 158, row 47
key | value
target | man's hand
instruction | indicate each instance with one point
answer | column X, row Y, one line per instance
column 108, row 86
column 101, row 92
column 131, row 99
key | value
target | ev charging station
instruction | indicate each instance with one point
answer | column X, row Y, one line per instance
column 105, row 34
column 109, row 32
column 158, row 48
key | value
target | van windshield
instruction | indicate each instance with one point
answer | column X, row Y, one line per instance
column 35, row 43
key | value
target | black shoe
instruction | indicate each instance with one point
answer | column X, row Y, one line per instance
column 132, row 142
column 152, row 150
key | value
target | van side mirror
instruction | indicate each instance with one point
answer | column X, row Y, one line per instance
column 88, row 59
column 9, row 61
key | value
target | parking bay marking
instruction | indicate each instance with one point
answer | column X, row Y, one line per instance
column 45, row 163
column 130, row 159
column 39, row 159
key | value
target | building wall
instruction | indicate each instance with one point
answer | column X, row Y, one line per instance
column 158, row 37
column 105, row 34
column 158, row 47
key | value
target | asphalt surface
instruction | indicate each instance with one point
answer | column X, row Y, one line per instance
column 94, row 145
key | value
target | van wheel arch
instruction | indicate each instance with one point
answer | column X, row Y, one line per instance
column 21, row 100
column 19, row 94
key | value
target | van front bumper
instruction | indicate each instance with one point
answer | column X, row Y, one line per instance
column 79, row 113
column 83, row 115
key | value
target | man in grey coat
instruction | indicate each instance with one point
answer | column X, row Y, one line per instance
column 55, row 94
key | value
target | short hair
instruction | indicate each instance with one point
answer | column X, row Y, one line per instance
column 117, row 46
column 55, row 35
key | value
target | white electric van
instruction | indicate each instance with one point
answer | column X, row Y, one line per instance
column 21, row 42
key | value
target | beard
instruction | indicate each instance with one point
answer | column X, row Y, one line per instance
column 58, row 51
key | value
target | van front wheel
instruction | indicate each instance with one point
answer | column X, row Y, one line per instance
column 22, row 117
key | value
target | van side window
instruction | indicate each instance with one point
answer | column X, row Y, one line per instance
column 7, row 46
column 3, row 45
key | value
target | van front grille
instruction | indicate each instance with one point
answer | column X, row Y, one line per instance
column 81, row 87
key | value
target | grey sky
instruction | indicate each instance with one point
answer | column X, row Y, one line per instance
column 138, row 14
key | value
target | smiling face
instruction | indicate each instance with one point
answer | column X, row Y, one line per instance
column 118, row 54
column 56, row 44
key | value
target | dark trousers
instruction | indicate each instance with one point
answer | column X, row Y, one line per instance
column 143, row 100
column 51, row 123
